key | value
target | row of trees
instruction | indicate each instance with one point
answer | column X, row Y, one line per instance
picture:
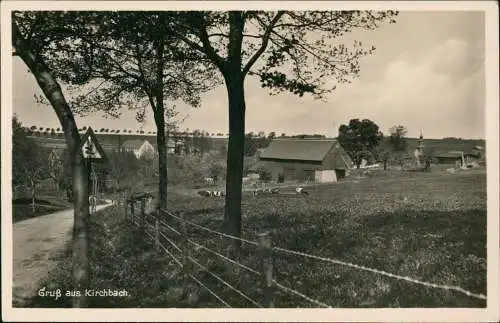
column 147, row 60
column 361, row 139
column 261, row 134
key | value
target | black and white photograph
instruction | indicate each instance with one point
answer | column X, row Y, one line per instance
column 259, row 161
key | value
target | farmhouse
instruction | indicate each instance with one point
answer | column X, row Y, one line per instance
column 315, row 160
column 140, row 148
column 456, row 157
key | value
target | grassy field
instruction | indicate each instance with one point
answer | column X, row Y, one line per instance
column 430, row 227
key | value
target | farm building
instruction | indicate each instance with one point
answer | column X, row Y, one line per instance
column 456, row 157
column 140, row 148
column 315, row 160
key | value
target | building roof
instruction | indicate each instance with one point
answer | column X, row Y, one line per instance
column 133, row 144
column 453, row 153
column 291, row 149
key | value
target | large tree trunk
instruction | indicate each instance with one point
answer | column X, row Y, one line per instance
column 159, row 114
column 234, row 79
column 232, row 211
column 162, row 160
column 52, row 91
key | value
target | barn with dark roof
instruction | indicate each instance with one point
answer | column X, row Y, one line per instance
column 315, row 160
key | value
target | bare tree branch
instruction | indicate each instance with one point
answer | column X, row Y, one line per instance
column 265, row 41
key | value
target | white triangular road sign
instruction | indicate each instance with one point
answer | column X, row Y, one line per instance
column 90, row 150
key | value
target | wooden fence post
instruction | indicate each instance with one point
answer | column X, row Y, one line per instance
column 157, row 234
column 186, row 262
column 265, row 251
column 125, row 208
column 185, row 245
column 143, row 212
column 132, row 210
column 124, row 200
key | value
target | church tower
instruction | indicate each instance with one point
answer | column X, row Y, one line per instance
column 421, row 143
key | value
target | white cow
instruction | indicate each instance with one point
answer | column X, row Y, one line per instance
column 301, row 190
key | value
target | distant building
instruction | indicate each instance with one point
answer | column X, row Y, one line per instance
column 315, row 160
column 461, row 158
column 140, row 148
column 419, row 152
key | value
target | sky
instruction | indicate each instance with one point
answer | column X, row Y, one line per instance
column 426, row 74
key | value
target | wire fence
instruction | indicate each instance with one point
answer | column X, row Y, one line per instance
column 265, row 251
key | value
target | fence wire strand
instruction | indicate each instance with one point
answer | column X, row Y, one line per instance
column 325, row 259
column 210, row 291
column 224, row 282
column 224, row 257
column 171, row 242
column 171, row 255
column 383, row 273
column 170, row 228
column 293, row 291
column 210, row 230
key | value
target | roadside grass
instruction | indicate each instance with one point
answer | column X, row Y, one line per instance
column 431, row 228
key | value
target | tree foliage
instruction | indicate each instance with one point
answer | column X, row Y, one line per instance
column 295, row 51
column 397, row 138
column 29, row 161
column 359, row 139
column 253, row 143
column 117, row 60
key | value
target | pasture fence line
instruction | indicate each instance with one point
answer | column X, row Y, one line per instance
column 347, row 264
column 265, row 252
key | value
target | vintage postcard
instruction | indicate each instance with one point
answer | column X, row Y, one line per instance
column 250, row 161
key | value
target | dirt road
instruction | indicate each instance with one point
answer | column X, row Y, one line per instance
column 38, row 244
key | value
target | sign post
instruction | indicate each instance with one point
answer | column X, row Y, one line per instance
column 92, row 152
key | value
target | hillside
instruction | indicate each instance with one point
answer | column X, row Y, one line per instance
column 110, row 141
column 113, row 141
column 447, row 144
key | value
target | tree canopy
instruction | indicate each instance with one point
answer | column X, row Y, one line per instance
column 397, row 138
column 295, row 51
column 359, row 138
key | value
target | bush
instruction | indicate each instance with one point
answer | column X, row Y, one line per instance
column 264, row 174
column 281, row 178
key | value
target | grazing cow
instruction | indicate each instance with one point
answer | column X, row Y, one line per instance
column 209, row 180
column 258, row 191
column 204, row 193
column 218, row 193
column 211, row 193
column 301, row 190
column 265, row 190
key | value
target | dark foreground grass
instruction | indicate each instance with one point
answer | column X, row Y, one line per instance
column 431, row 228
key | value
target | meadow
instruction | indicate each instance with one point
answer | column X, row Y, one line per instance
column 427, row 226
